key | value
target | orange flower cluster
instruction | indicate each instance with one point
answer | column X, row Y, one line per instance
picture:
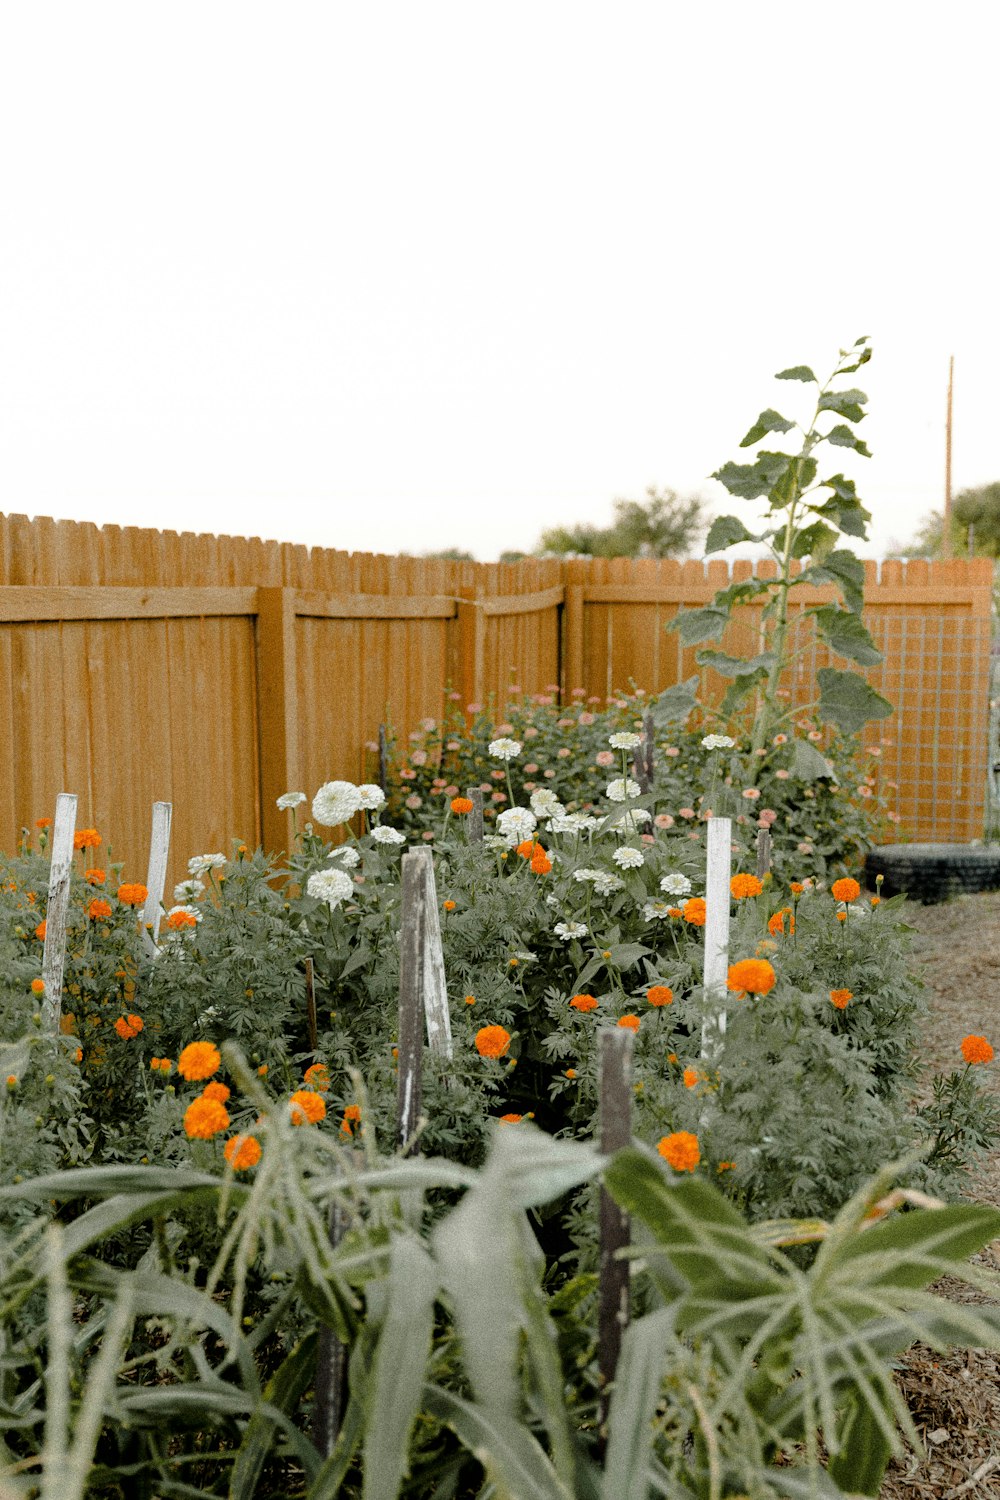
column 841, row 998
column 132, row 894
column 510, row 1119
column 690, row 1077
column 306, row 1107
column 742, row 886
column 660, row 994
column 98, row 910
column 631, row 1023
column 846, row 890
column 570, row 1073
column 204, row 1118
column 40, row 931
column 199, row 1060
column 43, row 822
column 242, row 1152
column 38, row 986
column 694, row 911
column 796, row 887
column 161, row 1064
column 318, row 1077
column 215, row 1090
column 492, row 1041
column 751, row 976
column 680, row 1150
column 449, row 905
column 350, row 1118
column 976, row 1049
column 128, row 1026
column 776, row 923
column 94, row 877
column 87, row 838
column 177, row 920
column 583, row 1002
column 460, row 805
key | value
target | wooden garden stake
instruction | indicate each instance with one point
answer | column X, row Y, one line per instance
column 717, row 877
column 311, row 1006
column 642, row 760
column 60, row 870
column 613, row 1283
column 423, row 994
column 475, row 826
column 156, row 875
column 331, row 1363
column 763, row 852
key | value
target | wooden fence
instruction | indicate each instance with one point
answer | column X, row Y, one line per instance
column 218, row 672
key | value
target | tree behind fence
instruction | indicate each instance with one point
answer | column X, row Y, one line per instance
column 218, row 672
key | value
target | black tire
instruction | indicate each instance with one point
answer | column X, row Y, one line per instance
column 933, row 872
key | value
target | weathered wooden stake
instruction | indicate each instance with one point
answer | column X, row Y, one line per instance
column 643, row 763
column 475, row 824
column 383, row 757
column 423, row 994
column 613, row 1283
column 60, row 870
column 717, row 876
column 311, row 1006
column 156, row 876
column 763, row 852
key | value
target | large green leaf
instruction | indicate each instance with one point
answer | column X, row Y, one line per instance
column 849, row 404
column 860, row 1466
column 750, row 481
column 843, row 569
column 284, row 1393
column 631, row 1429
column 808, row 764
column 910, row 1250
column 849, row 515
column 739, row 689
column 845, row 633
column 726, row 531
column 504, row 1447
column 400, row 1367
column 735, row 666
column 797, row 372
column 694, row 625
column 841, row 436
column 675, row 703
column 768, row 421
column 847, row 700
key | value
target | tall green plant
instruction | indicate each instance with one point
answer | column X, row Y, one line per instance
column 805, row 521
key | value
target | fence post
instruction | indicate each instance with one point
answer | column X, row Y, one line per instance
column 277, row 724
column 572, row 640
column 717, row 876
column 475, row 823
column 763, row 852
column 471, row 649
column 156, row 875
column 57, row 908
column 613, row 1281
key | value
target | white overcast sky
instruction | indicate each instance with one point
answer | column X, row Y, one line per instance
column 395, row 277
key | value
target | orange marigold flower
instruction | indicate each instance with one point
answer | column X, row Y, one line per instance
column 744, row 885
column 841, row 916
column 570, row 1073
column 776, row 923
column 132, row 894
column 540, row 863
column 176, row 920
column 350, row 1118
column 461, row 805
column 631, row 1023
column 12, row 1080
column 43, row 822
column 449, row 905
column 694, row 911
column 215, row 1090
column 204, row 1118
column 510, row 1119
column 98, row 910
column 583, row 1002
column 672, row 1057
column 660, row 994
column 470, row 999
column 725, row 1166
column 841, row 998
column 526, row 848
column 87, row 838
column 306, row 1107
column 199, row 1060
column 123, row 1029
column 40, row 931
column 38, row 986
column 492, row 1041
column 751, row 976
column 136, row 1023
column 242, row 1152
column 876, row 901
column 690, row 1078
column 78, row 1055
column 262, row 1071
column 95, row 877
column 680, row 1150
column 674, row 911
column 318, row 1077
column 796, row 887
column 845, row 890
column 976, row 1049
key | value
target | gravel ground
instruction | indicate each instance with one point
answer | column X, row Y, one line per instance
column 955, row 1399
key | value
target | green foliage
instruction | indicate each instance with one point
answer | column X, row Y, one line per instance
column 662, row 525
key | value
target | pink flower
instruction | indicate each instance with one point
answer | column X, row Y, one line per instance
column 579, row 693
column 484, row 786
column 672, row 750
column 427, row 835
column 497, row 775
column 549, row 774
column 499, row 797
column 429, row 724
column 455, row 697
column 585, row 718
column 893, row 817
column 473, row 708
column 767, row 817
column 663, row 820
column 529, row 786
column 552, row 687
column 419, row 757
column 605, row 757
column 695, row 836
column 562, row 754
column 864, row 791
column 407, row 774
column 531, row 733
column 804, row 848
column 503, row 729
column 782, row 775
column 685, row 812
column 874, row 750
column 564, row 723
column 750, row 793
column 814, row 734
column 531, row 768
column 741, row 817
column 780, row 739
column 414, row 801
column 451, row 791
column 647, row 838
column 595, row 699
column 545, row 699
column 453, row 744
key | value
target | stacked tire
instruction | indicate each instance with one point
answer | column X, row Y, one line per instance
column 934, row 872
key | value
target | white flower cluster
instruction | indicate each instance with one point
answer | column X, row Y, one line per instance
column 656, row 911
column 627, row 858
column 675, row 885
column 517, row 823
column 288, row 800
column 622, row 789
column 570, row 930
column 372, row 796
column 624, row 741
column 331, row 886
column 545, row 803
column 346, row 856
column 631, row 820
column 717, row 742
column 572, row 823
column 337, row 801
column 385, row 835
column 188, row 890
column 603, row 882
column 505, row 749
column 200, row 864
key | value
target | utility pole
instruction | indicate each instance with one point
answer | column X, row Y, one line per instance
column 946, row 526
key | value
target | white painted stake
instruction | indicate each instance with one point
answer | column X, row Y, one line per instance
column 717, row 876
column 159, row 848
column 60, row 870
column 435, row 989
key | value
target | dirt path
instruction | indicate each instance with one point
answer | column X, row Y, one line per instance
column 955, row 1399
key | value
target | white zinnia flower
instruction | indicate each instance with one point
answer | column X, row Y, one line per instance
column 572, row 823
column 371, row 796
column 605, row 883
column 335, row 802
column 627, row 858
column 200, row 864
column 187, row 890
column 675, row 885
column 505, row 749
column 622, row 789
column 545, row 803
column 717, row 742
column 624, row 741
column 585, row 875
column 631, row 820
column 331, row 886
column 657, row 911
column 383, row 834
column 570, row 930
column 496, row 843
column 346, row 856
column 517, row 820
column 288, row 800
column 189, row 911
